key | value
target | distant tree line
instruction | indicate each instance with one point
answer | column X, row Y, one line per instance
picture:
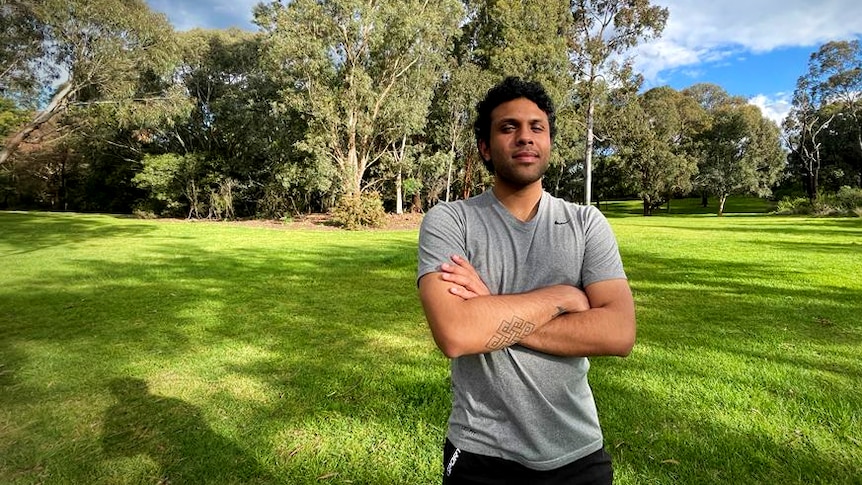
column 364, row 107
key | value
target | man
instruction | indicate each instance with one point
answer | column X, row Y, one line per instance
column 518, row 288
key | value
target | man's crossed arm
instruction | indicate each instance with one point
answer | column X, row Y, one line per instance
column 562, row 320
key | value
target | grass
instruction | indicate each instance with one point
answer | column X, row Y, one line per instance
column 172, row 352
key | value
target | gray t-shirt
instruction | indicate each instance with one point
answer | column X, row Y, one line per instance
column 516, row 403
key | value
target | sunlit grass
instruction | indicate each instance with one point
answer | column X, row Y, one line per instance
column 153, row 351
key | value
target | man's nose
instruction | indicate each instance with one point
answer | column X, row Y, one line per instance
column 525, row 137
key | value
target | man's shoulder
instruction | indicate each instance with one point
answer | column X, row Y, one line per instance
column 460, row 206
column 557, row 202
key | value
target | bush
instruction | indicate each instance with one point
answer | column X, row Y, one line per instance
column 846, row 202
column 355, row 211
column 848, row 199
column 797, row 205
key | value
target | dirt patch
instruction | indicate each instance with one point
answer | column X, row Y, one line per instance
column 406, row 221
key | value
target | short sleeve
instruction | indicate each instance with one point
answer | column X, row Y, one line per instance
column 441, row 235
column 601, row 254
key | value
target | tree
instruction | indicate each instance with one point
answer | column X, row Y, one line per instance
column 803, row 128
column 742, row 152
column 349, row 66
column 601, row 31
column 106, row 48
column 22, row 49
column 709, row 97
column 827, row 99
column 654, row 138
column 451, row 120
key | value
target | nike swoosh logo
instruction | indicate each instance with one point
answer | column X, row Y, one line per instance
column 563, row 222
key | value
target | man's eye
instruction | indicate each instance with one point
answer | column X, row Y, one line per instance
column 538, row 128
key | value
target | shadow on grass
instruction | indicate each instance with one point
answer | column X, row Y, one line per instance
column 332, row 330
column 27, row 232
column 655, row 440
column 174, row 435
column 792, row 351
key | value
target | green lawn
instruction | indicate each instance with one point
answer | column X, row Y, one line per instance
column 139, row 351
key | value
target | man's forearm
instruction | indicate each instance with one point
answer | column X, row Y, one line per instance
column 590, row 333
column 489, row 322
column 606, row 329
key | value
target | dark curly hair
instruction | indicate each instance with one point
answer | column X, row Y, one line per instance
column 507, row 90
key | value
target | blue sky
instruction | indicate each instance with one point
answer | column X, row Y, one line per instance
column 752, row 48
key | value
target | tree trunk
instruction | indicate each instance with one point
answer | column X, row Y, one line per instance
column 58, row 102
column 721, row 201
column 399, row 204
column 588, row 152
column 704, row 198
column 417, row 202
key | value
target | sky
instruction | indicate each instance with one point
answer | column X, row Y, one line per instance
column 751, row 48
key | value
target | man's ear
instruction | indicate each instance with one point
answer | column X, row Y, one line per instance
column 484, row 150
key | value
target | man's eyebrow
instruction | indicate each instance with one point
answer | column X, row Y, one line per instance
column 518, row 120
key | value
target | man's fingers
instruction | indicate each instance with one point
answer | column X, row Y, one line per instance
column 462, row 262
column 463, row 292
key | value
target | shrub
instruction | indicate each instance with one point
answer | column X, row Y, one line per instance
column 355, row 211
column 797, row 205
column 848, row 198
column 846, row 202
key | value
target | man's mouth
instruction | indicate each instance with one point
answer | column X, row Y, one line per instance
column 526, row 155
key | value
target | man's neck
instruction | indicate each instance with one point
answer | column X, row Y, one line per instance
column 521, row 202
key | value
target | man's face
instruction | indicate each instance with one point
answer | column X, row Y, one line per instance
column 519, row 145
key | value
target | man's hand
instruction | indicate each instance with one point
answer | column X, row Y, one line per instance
column 464, row 276
column 470, row 285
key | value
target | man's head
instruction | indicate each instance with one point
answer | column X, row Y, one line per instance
column 507, row 90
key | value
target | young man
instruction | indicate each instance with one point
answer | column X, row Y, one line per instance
column 519, row 288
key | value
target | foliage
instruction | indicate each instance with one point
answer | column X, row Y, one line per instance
column 846, row 202
column 740, row 148
column 170, row 182
column 10, row 116
column 22, row 51
column 356, row 211
column 361, row 73
column 340, row 96
column 654, row 138
column 602, row 32
column 825, row 115
column 116, row 54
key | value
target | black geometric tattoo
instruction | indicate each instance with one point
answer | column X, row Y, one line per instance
column 510, row 332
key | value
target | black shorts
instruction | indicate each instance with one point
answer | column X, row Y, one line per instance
column 462, row 467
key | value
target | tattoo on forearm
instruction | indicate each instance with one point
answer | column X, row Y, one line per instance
column 510, row 332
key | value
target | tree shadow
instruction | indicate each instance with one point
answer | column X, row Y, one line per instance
column 27, row 232
column 174, row 435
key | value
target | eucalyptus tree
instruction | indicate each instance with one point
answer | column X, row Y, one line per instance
column 709, row 97
column 111, row 52
column 450, row 128
column 240, row 148
column 654, row 137
column 830, row 90
column 602, row 32
column 22, row 50
column 742, row 152
column 350, row 69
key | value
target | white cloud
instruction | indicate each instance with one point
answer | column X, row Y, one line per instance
column 774, row 108
column 704, row 32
